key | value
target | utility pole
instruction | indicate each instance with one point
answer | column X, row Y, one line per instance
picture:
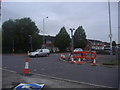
column 72, row 44
column 44, row 32
column 110, row 35
column 30, row 42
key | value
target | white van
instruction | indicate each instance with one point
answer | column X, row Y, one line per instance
column 40, row 52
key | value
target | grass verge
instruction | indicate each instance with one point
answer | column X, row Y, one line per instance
column 113, row 62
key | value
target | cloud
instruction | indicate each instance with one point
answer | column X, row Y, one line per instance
column 93, row 16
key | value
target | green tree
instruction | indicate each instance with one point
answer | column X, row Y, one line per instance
column 8, row 28
column 19, row 31
column 62, row 39
column 80, row 40
column 113, row 43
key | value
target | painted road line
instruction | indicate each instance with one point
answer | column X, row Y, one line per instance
column 102, row 86
column 8, row 70
column 73, row 81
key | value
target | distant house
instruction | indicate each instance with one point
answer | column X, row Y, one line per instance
column 49, row 43
column 96, row 44
column 92, row 44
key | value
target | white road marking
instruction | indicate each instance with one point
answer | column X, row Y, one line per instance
column 74, row 81
column 8, row 70
column 63, row 79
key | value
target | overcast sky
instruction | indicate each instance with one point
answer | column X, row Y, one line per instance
column 93, row 16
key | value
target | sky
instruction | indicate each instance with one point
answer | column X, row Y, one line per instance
column 93, row 16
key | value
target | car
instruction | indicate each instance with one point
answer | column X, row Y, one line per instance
column 40, row 52
column 108, row 50
column 78, row 49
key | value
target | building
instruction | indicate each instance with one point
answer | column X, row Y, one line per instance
column 97, row 44
column 92, row 44
column 49, row 43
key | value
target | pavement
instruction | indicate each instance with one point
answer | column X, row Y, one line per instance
column 11, row 79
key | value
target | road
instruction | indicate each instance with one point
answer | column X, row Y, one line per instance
column 51, row 66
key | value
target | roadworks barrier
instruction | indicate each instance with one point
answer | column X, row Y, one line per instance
column 80, row 57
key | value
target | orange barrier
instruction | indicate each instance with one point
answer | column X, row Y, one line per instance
column 78, row 54
column 90, row 55
column 80, row 57
column 94, row 55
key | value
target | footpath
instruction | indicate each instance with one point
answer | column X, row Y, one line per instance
column 11, row 79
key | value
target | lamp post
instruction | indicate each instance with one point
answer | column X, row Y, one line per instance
column 30, row 42
column 72, row 43
column 110, row 35
column 44, row 32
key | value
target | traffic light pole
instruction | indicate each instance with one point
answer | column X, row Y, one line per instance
column 72, row 44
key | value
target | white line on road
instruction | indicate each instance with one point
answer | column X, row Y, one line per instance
column 8, row 70
column 73, row 81
column 102, row 86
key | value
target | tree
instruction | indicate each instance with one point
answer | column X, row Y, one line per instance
column 80, row 40
column 113, row 43
column 18, row 31
column 62, row 39
column 8, row 28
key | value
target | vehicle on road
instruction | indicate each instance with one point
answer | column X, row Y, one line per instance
column 40, row 52
column 107, row 50
column 78, row 49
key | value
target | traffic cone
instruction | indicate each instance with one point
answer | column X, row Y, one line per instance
column 26, row 69
column 63, row 56
column 72, row 59
column 94, row 63
column 79, row 61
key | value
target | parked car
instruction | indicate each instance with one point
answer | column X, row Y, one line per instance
column 107, row 50
column 40, row 52
column 78, row 49
column 114, row 50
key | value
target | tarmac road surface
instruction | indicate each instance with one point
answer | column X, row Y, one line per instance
column 51, row 66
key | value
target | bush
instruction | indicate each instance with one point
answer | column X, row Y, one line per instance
column 113, row 62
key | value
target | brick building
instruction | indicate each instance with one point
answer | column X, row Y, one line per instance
column 97, row 44
column 92, row 44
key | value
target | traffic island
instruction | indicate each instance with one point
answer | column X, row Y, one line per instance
column 113, row 62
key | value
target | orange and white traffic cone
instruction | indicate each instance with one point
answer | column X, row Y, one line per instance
column 62, row 56
column 79, row 61
column 94, row 63
column 26, row 69
column 72, row 59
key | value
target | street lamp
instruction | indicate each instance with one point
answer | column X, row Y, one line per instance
column 44, row 31
column 110, row 35
column 30, row 42
column 72, row 44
